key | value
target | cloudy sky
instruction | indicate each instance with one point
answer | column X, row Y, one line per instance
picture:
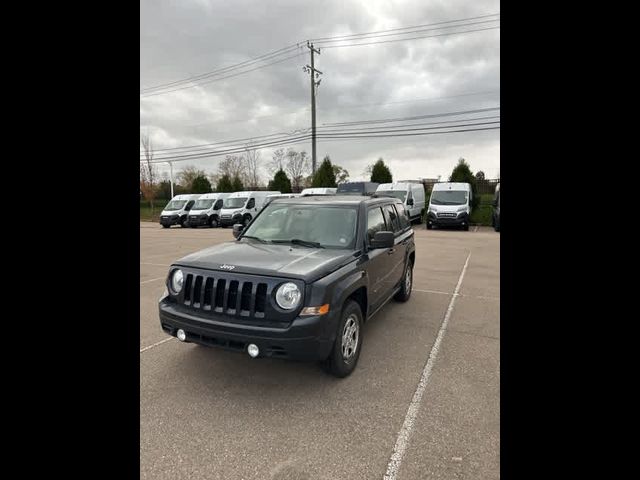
column 181, row 39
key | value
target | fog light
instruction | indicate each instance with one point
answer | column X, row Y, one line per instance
column 253, row 350
column 181, row 335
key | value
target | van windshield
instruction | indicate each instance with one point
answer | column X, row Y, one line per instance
column 356, row 189
column 401, row 194
column 203, row 204
column 328, row 227
column 236, row 202
column 175, row 205
column 449, row 197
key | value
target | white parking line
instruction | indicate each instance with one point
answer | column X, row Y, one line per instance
column 402, row 442
column 155, row 344
column 431, row 291
column 152, row 280
column 479, row 297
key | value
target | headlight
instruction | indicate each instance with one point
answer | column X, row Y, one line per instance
column 288, row 296
column 176, row 281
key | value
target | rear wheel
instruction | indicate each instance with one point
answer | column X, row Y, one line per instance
column 346, row 349
column 407, row 282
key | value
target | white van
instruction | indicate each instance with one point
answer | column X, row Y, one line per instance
column 175, row 213
column 450, row 205
column 206, row 210
column 411, row 194
column 318, row 191
column 241, row 207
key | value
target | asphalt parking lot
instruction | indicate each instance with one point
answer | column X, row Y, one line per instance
column 424, row 401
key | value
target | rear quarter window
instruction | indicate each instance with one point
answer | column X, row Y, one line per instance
column 375, row 222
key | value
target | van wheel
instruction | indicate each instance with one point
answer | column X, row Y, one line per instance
column 346, row 349
column 213, row 223
column 165, row 226
column 466, row 227
column 246, row 220
column 407, row 283
column 429, row 226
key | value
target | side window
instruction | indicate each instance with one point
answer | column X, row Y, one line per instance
column 392, row 218
column 252, row 203
column 189, row 205
column 375, row 223
column 402, row 216
column 218, row 204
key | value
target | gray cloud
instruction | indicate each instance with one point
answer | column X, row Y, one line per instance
column 432, row 75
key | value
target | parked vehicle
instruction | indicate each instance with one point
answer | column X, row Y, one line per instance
column 496, row 209
column 450, row 205
column 241, row 207
column 298, row 283
column 273, row 197
column 176, row 211
column 206, row 210
column 318, row 191
column 357, row 188
column 411, row 194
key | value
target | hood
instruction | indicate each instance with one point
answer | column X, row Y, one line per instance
column 252, row 257
column 197, row 212
column 168, row 213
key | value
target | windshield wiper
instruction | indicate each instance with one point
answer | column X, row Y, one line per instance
column 255, row 238
column 297, row 241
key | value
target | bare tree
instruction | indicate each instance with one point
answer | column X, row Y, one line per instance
column 252, row 166
column 296, row 167
column 148, row 175
column 188, row 174
column 277, row 162
column 234, row 166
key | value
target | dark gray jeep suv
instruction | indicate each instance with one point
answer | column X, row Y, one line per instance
column 299, row 282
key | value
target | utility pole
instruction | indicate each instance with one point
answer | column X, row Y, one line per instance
column 313, row 74
column 171, row 177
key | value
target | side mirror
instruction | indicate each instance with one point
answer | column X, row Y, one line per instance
column 410, row 202
column 237, row 229
column 383, row 240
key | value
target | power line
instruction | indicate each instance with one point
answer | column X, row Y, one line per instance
column 417, row 117
column 411, row 38
column 219, row 71
column 406, row 28
column 220, row 78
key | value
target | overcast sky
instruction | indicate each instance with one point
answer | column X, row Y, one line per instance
column 179, row 39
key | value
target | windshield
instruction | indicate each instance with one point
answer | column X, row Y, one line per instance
column 203, row 204
column 236, row 202
column 330, row 227
column 175, row 204
column 401, row 194
column 449, row 197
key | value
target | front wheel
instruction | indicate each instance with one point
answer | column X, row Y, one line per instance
column 346, row 349
column 213, row 223
column 183, row 223
column 165, row 226
column 246, row 220
column 429, row 226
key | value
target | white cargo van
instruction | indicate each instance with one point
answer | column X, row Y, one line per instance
column 450, row 205
column 206, row 210
column 175, row 213
column 318, row 191
column 411, row 194
column 241, row 207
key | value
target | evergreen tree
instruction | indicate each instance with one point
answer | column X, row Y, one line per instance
column 380, row 173
column 280, row 182
column 325, row 175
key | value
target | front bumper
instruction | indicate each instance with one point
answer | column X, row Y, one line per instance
column 457, row 221
column 170, row 220
column 226, row 221
column 197, row 221
column 306, row 338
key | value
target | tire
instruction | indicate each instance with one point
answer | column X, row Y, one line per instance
column 466, row 227
column 165, row 226
column 496, row 227
column 429, row 226
column 246, row 220
column 407, row 284
column 182, row 223
column 213, row 222
column 336, row 364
